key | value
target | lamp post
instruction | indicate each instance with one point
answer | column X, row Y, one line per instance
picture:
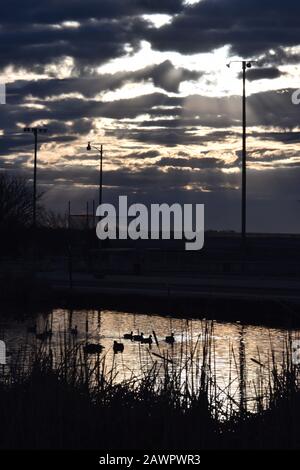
column 246, row 64
column 100, row 150
column 35, row 131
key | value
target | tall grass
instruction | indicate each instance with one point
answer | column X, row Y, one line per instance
column 64, row 398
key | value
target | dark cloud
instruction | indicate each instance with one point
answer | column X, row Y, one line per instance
column 146, row 178
column 20, row 142
column 14, row 163
column 279, row 56
column 250, row 27
column 164, row 75
column 192, row 162
column 36, row 33
column 167, row 137
column 269, row 192
column 169, row 78
column 143, row 155
column 92, row 43
column 270, row 158
column 57, row 11
column 183, row 122
column 283, row 137
column 206, row 120
column 269, row 73
column 28, row 36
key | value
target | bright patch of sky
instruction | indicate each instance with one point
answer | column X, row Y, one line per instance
column 70, row 24
column 130, row 90
column 217, row 80
column 11, row 74
column 159, row 19
column 191, row 2
column 63, row 69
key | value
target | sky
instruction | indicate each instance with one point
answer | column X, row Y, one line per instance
column 148, row 80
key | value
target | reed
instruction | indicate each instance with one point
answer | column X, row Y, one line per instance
column 63, row 398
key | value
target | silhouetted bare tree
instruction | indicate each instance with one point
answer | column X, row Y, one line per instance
column 16, row 202
column 55, row 220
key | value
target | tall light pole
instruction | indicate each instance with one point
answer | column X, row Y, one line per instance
column 100, row 150
column 246, row 64
column 35, row 131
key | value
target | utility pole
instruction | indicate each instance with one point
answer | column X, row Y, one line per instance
column 244, row 159
column 101, row 173
column 34, row 176
column 100, row 150
column 35, row 131
column 246, row 64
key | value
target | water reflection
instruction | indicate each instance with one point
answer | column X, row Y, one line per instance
column 239, row 355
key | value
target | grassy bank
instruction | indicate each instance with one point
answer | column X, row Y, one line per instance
column 76, row 401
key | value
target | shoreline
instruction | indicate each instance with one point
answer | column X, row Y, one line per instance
column 236, row 300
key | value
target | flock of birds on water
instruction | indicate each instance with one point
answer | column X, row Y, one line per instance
column 95, row 348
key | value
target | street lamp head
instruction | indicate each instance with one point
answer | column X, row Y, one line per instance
column 40, row 130
column 89, row 146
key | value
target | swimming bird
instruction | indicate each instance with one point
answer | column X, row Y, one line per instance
column 170, row 339
column 74, row 331
column 147, row 340
column 92, row 348
column 128, row 336
column 118, row 347
column 138, row 337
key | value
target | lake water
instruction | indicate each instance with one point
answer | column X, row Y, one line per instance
column 235, row 350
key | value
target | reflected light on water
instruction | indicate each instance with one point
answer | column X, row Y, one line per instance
column 238, row 353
